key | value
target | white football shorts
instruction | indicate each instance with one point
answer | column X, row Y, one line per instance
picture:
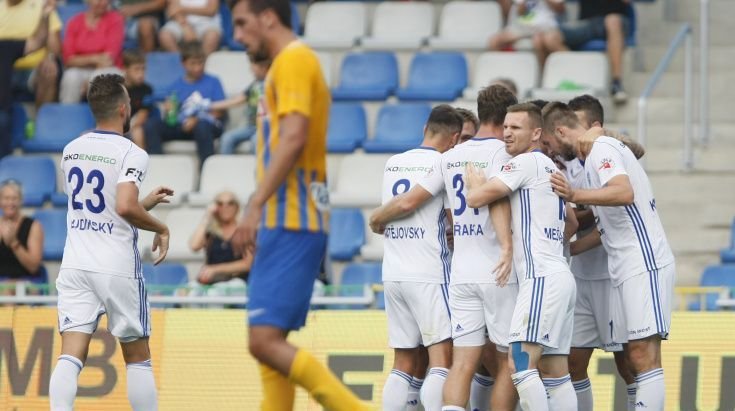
column 592, row 321
column 477, row 307
column 418, row 313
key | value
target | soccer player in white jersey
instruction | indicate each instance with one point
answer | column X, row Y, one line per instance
column 640, row 261
column 416, row 270
column 541, row 329
column 101, row 271
column 481, row 292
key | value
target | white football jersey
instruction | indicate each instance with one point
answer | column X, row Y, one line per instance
column 592, row 264
column 538, row 216
column 97, row 238
column 415, row 247
column 632, row 235
column 476, row 248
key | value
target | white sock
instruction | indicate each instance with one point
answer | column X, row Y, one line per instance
column 480, row 390
column 650, row 393
column 583, row 388
column 413, row 394
column 452, row 408
column 531, row 390
column 632, row 388
column 62, row 388
column 142, row 386
column 395, row 391
column 431, row 392
column 561, row 394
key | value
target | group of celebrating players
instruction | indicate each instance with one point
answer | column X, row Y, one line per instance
column 488, row 298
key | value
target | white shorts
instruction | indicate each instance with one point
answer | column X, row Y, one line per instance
column 592, row 316
column 418, row 314
column 641, row 306
column 544, row 313
column 84, row 296
column 200, row 26
column 480, row 307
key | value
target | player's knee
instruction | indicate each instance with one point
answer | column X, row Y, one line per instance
column 641, row 356
column 521, row 361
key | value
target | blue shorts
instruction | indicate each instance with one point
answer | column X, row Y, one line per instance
column 282, row 277
column 576, row 33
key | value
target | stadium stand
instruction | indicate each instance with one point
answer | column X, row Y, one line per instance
column 18, row 121
column 727, row 255
column 357, row 185
column 233, row 70
column 630, row 40
column 346, row 233
column 467, row 25
column 36, row 175
column 400, row 26
column 335, row 25
column 67, row 11
column 58, row 124
column 163, row 279
column 228, row 40
column 177, row 172
column 161, row 70
column 182, row 223
column 521, row 67
column 570, row 73
column 373, row 248
column 367, row 76
column 361, row 274
column 399, row 128
column 715, row 276
column 220, row 172
column 347, row 127
column 437, row 76
column 53, row 222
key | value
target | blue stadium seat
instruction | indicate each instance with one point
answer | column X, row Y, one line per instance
column 728, row 255
column 347, row 233
column 630, row 40
column 295, row 19
column 54, row 232
column 164, row 275
column 361, row 274
column 18, row 121
column 347, row 127
column 438, row 76
column 715, row 276
column 36, row 175
column 367, row 76
column 57, row 125
column 399, row 128
column 228, row 38
column 67, row 11
column 161, row 70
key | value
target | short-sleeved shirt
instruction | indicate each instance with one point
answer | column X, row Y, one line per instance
column 208, row 86
column 295, row 85
column 600, row 8
column 20, row 21
column 538, row 216
column 633, row 235
column 106, row 37
column 416, row 246
column 98, row 239
column 140, row 97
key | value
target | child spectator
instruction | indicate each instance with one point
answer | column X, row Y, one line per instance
column 231, row 139
column 191, row 119
column 140, row 93
column 190, row 20
column 92, row 45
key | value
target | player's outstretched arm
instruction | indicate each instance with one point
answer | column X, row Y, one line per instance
column 480, row 190
column 617, row 192
column 585, row 243
column 585, row 217
column 132, row 211
column 500, row 217
column 398, row 207
column 157, row 196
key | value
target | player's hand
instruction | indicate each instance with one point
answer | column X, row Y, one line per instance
column 157, row 196
column 588, row 139
column 561, row 187
column 473, row 176
column 503, row 268
column 375, row 226
column 160, row 243
column 244, row 238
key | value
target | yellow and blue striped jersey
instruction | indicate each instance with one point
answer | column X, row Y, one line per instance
column 295, row 84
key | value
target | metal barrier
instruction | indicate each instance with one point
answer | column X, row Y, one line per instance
column 704, row 128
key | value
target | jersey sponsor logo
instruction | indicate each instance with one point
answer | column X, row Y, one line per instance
column 508, row 167
column 554, row 234
column 463, row 164
column 320, row 195
column 404, row 233
column 606, row 164
column 549, row 169
column 84, row 224
column 415, row 169
column 91, row 157
column 138, row 174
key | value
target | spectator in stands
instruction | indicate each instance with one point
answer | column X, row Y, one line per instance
column 142, row 20
column 37, row 73
column 192, row 119
column 507, row 83
column 526, row 19
column 92, row 45
column 140, row 92
column 21, row 238
column 231, row 139
column 10, row 51
column 190, row 20
column 223, row 265
column 470, row 125
column 598, row 19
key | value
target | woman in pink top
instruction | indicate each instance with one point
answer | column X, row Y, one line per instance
column 92, row 44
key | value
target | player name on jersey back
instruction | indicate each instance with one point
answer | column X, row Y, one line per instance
column 98, row 239
column 415, row 247
column 633, row 235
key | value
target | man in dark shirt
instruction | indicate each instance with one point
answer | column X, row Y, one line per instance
column 598, row 19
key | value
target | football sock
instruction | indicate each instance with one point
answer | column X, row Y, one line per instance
column 452, row 408
column 395, row 391
column 531, row 390
column 480, row 390
column 561, row 395
column 63, row 384
column 650, row 393
column 141, row 386
column 413, row 394
column 278, row 391
column 431, row 392
column 583, row 388
column 632, row 388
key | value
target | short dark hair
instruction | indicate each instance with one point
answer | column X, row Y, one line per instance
column 492, row 102
column 282, row 8
column 539, row 103
column 534, row 113
column 507, row 83
column 444, row 119
column 192, row 50
column 468, row 116
column 591, row 106
column 105, row 94
column 557, row 114
column 131, row 57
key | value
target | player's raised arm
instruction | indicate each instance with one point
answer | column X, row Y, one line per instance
column 617, row 191
column 398, row 207
column 480, row 190
column 585, row 243
column 132, row 211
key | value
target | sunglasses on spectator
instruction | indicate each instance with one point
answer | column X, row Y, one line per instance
column 223, row 203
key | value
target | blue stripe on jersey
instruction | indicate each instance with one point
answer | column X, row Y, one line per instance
column 643, row 242
column 540, row 302
column 318, row 212
column 281, row 205
column 652, row 284
column 533, row 315
column 525, row 196
column 445, row 294
column 301, row 181
column 646, row 238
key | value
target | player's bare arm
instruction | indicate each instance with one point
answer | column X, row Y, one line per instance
column 617, row 192
column 585, row 243
column 398, row 207
column 585, row 217
column 294, row 131
column 481, row 191
column 571, row 225
column 132, row 211
column 501, row 220
column 157, row 196
column 589, row 137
